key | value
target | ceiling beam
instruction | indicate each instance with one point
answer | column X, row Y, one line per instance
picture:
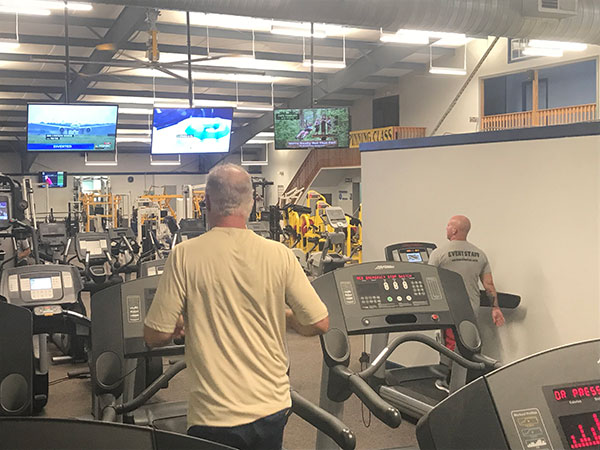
column 129, row 21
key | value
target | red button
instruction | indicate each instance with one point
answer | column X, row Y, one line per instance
column 435, row 317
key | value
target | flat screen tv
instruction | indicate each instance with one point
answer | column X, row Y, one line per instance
column 75, row 127
column 54, row 179
column 191, row 130
column 311, row 128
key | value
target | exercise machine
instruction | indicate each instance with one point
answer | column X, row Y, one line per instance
column 384, row 297
column 54, row 244
column 34, row 433
column 43, row 299
column 545, row 401
column 120, row 351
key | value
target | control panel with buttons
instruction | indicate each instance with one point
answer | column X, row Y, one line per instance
column 395, row 290
column 44, row 284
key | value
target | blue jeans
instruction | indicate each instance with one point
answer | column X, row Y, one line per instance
column 263, row 434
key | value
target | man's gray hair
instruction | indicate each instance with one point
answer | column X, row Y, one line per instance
column 229, row 189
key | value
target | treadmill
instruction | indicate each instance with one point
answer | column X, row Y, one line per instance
column 392, row 296
column 117, row 351
column 547, row 401
column 50, row 294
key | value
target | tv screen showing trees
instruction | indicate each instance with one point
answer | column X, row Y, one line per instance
column 74, row 127
column 311, row 128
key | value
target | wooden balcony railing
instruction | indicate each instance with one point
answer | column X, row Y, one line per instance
column 542, row 117
column 384, row 134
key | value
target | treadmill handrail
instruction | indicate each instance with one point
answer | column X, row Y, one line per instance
column 154, row 387
column 423, row 339
column 371, row 399
column 323, row 421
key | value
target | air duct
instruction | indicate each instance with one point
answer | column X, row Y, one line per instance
column 474, row 17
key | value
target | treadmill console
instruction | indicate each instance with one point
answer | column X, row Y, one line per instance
column 96, row 244
column 152, row 268
column 550, row 400
column 5, row 214
column 45, row 284
column 413, row 252
column 394, row 296
column 53, row 234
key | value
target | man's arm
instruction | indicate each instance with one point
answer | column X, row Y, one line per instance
column 155, row 338
column 314, row 329
column 488, row 284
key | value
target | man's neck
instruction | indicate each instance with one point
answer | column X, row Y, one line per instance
column 230, row 222
column 455, row 238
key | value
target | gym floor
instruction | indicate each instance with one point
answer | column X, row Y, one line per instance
column 72, row 398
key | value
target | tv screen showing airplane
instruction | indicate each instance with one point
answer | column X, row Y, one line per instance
column 76, row 127
column 191, row 130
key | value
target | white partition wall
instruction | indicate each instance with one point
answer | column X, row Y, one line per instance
column 534, row 207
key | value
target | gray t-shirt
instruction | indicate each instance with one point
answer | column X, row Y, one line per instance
column 467, row 260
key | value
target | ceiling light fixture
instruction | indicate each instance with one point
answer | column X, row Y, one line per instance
column 566, row 46
column 447, row 71
column 13, row 9
column 449, row 39
column 414, row 37
column 165, row 162
column 9, row 44
column 551, row 52
column 254, row 108
column 298, row 32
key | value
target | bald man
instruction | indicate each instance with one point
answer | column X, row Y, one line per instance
column 470, row 262
column 231, row 286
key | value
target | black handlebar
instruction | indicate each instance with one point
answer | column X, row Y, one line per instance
column 324, row 421
column 371, row 399
column 413, row 337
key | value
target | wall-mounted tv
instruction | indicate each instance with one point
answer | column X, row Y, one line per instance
column 311, row 128
column 191, row 130
column 75, row 127
column 54, row 179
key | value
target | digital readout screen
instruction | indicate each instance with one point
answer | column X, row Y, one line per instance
column 582, row 430
column 578, row 392
column 3, row 210
column 414, row 257
column 40, row 283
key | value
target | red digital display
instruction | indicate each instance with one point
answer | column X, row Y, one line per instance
column 384, row 277
column 576, row 392
column 582, row 430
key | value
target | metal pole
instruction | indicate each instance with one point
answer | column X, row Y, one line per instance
column 312, row 64
column 67, row 61
column 189, row 52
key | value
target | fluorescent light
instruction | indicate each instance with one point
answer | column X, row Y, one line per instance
column 447, row 71
column 208, row 103
column 32, row 5
column 229, row 21
column 449, row 39
column 14, row 9
column 165, row 163
column 299, row 32
column 324, row 64
column 567, row 46
column 134, row 111
column 132, row 131
column 134, row 139
column 416, row 37
column 100, row 163
column 9, row 44
column 254, row 108
column 552, row 52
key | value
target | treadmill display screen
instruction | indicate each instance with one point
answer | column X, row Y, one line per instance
column 3, row 210
column 391, row 290
column 38, row 284
column 582, row 430
column 580, row 392
column 414, row 257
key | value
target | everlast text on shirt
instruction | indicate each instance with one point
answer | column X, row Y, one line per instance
column 463, row 253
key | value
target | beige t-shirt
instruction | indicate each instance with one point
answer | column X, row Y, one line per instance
column 232, row 287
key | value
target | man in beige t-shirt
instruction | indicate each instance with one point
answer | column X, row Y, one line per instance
column 231, row 287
